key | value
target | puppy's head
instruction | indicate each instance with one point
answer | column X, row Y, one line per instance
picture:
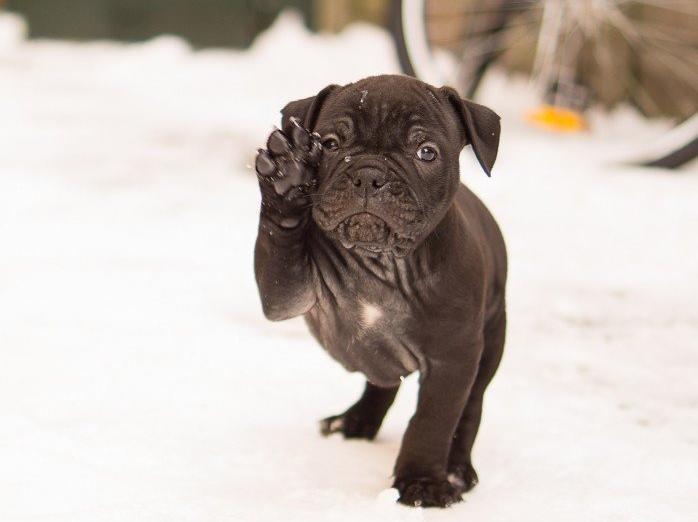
column 390, row 168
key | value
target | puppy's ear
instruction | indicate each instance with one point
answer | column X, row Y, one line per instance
column 306, row 110
column 481, row 128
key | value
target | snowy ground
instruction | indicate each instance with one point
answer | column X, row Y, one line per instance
column 140, row 382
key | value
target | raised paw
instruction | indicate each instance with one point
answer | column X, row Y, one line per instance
column 463, row 476
column 351, row 425
column 427, row 492
column 290, row 159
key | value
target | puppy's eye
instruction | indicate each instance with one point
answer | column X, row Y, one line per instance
column 426, row 153
column 330, row 143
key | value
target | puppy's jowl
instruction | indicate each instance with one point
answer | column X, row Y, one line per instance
column 366, row 231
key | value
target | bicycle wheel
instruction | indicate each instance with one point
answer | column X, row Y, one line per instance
column 577, row 52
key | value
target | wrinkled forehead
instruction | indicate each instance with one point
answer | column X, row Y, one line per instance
column 394, row 112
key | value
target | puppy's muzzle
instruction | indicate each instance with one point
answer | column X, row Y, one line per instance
column 369, row 203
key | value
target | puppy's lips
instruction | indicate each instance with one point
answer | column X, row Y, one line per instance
column 365, row 228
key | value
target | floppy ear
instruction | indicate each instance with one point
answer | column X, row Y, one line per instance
column 481, row 128
column 306, row 110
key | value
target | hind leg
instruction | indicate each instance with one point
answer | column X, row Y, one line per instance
column 364, row 418
column 460, row 467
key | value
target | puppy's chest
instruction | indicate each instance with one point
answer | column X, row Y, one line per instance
column 369, row 327
column 375, row 317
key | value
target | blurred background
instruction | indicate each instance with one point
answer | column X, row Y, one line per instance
column 569, row 49
column 139, row 380
column 204, row 23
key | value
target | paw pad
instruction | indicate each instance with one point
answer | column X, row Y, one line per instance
column 290, row 159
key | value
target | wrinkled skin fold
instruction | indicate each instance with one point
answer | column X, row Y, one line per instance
column 397, row 267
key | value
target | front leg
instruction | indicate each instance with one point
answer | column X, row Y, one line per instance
column 283, row 269
column 421, row 468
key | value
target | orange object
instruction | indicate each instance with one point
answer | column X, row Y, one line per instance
column 557, row 119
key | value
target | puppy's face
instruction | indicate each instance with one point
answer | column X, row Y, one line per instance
column 390, row 167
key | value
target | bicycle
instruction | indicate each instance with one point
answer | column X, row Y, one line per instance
column 569, row 49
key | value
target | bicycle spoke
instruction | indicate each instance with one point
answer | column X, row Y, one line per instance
column 676, row 36
column 661, row 57
column 689, row 7
column 469, row 32
column 489, row 46
column 636, row 37
column 546, row 48
column 603, row 54
column 689, row 75
column 521, row 5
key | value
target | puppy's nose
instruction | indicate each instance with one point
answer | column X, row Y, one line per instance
column 370, row 179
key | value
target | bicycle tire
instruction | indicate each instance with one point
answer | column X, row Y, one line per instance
column 679, row 148
column 408, row 30
column 397, row 32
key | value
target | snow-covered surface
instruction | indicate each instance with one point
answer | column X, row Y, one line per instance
column 139, row 380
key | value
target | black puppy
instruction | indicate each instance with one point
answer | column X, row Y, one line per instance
column 366, row 230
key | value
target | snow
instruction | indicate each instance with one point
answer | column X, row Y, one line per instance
column 140, row 381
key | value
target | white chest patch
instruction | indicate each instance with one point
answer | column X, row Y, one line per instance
column 370, row 314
